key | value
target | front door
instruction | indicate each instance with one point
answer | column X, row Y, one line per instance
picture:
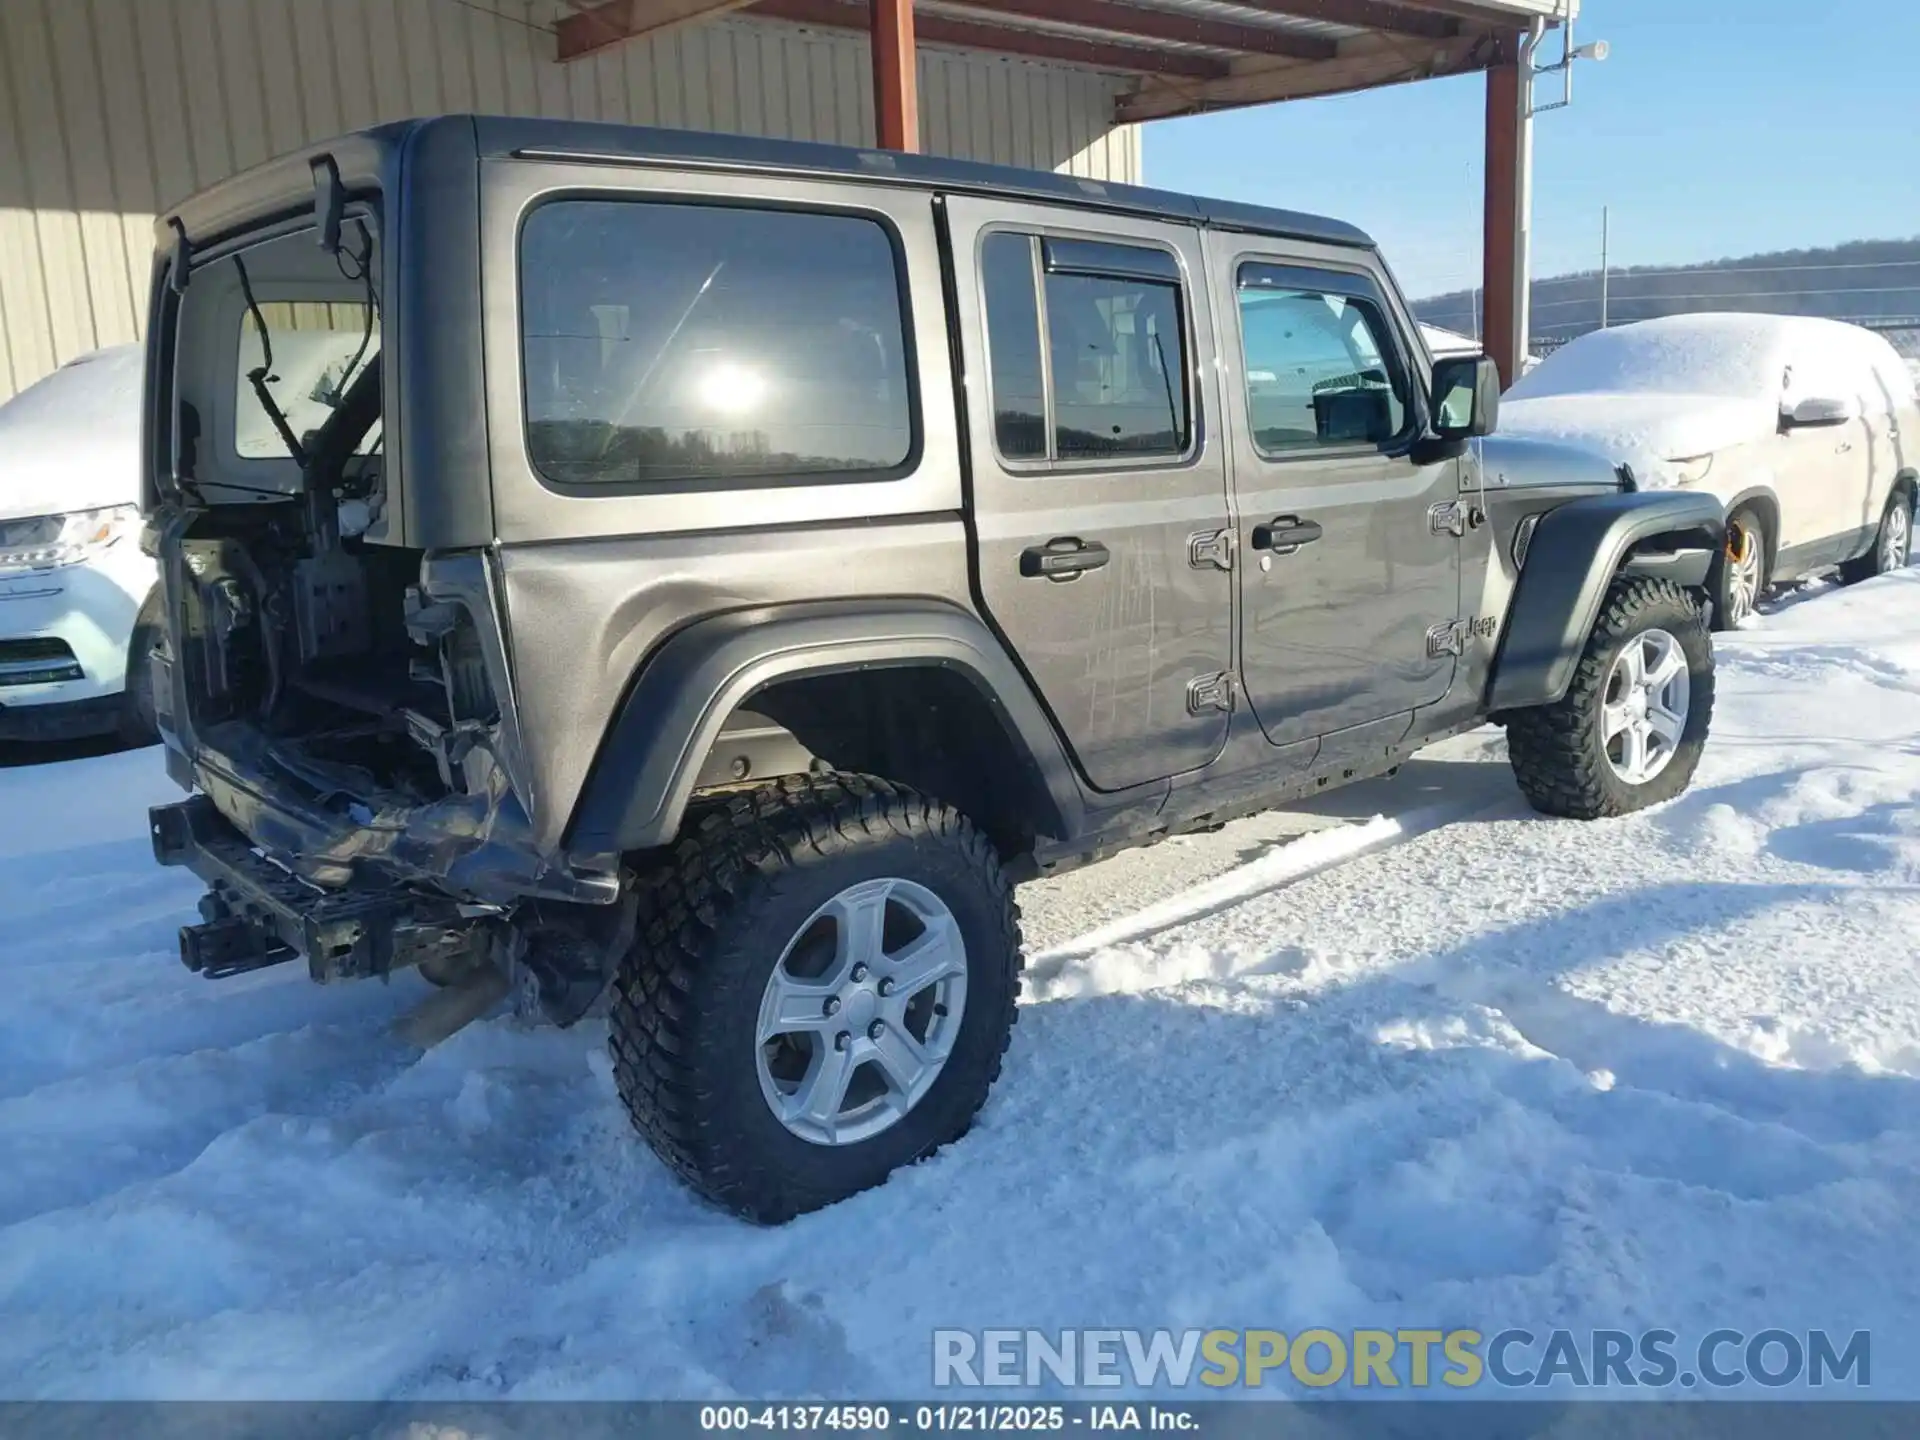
column 1099, row 480
column 1350, row 581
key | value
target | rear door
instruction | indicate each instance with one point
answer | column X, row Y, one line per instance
column 1350, row 586
column 1886, row 393
column 1825, row 469
column 1098, row 483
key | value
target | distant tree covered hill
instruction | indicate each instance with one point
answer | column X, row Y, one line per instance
column 1867, row 280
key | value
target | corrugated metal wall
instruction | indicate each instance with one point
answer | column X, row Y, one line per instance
column 113, row 109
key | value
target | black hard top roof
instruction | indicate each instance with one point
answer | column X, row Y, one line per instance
column 634, row 144
column 365, row 158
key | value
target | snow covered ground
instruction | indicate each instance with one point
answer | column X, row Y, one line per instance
column 1490, row 1070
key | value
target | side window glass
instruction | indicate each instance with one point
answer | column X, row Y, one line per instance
column 1319, row 368
column 669, row 342
column 317, row 349
column 1013, row 345
column 1099, row 348
column 1119, row 377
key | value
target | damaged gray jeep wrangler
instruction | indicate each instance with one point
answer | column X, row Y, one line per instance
column 694, row 576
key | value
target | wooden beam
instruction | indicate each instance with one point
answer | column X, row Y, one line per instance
column 1381, row 15
column 896, row 87
column 1509, row 205
column 595, row 27
column 1000, row 39
column 1360, row 66
column 1497, row 14
column 1135, row 23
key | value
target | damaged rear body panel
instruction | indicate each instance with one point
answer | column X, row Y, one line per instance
column 334, row 681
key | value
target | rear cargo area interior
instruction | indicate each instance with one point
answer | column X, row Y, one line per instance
column 298, row 625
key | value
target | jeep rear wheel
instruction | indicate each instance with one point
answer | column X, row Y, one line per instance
column 1892, row 542
column 1633, row 723
column 821, row 987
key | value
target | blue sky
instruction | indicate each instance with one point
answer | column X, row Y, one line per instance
column 1717, row 127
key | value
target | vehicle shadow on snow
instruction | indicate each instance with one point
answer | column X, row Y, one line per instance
column 15, row 754
column 1475, row 788
column 1456, row 790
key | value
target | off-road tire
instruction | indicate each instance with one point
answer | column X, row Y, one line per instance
column 1558, row 751
column 715, row 914
column 1718, row 582
column 1874, row 562
column 139, row 724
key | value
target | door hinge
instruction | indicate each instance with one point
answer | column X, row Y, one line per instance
column 1210, row 692
column 1211, row 547
column 1447, row 639
column 1448, row 518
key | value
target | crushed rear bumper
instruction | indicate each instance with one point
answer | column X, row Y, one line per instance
column 257, row 914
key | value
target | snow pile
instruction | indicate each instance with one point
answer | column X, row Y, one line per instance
column 1677, row 388
column 1661, row 1071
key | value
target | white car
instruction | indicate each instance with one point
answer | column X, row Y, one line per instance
column 78, row 601
column 1805, row 429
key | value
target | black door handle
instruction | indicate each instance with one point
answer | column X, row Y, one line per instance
column 1289, row 532
column 1063, row 559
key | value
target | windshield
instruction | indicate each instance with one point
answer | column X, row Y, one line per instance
column 1735, row 356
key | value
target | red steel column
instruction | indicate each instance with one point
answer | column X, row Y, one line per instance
column 1509, row 206
column 896, row 90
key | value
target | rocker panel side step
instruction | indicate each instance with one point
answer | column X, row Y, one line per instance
column 258, row 914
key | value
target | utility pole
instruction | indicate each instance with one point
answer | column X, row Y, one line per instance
column 1606, row 226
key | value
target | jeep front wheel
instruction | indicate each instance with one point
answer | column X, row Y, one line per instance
column 1633, row 723
column 821, row 987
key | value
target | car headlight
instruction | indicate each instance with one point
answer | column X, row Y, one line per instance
column 44, row 542
column 1692, row 472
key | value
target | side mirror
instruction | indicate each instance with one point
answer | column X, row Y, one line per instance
column 1466, row 396
column 1816, row 410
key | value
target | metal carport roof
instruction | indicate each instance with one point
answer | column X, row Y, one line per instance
column 1189, row 56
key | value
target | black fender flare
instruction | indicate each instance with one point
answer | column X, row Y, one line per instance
column 1574, row 555
column 643, row 776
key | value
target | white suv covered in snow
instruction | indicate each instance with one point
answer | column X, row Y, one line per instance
column 77, row 597
column 1805, row 429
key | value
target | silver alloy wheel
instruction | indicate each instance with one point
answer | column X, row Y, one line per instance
column 1896, row 538
column 1743, row 573
column 1643, row 712
column 861, row 1013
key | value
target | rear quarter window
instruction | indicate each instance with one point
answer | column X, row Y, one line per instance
column 669, row 342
